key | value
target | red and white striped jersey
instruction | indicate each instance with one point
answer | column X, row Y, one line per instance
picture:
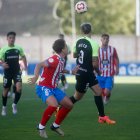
column 50, row 75
column 107, row 63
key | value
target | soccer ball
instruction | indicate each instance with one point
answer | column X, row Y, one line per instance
column 81, row 7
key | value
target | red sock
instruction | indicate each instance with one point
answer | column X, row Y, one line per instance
column 61, row 115
column 47, row 114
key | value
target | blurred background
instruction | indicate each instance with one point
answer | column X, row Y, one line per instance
column 38, row 23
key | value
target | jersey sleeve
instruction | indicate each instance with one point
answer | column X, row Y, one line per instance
column 52, row 61
column 21, row 52
column 1, row 54
column 95, row 48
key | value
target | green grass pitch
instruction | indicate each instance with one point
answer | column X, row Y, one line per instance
column 81, row 124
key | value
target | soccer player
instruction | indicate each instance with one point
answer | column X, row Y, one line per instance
column 86, row 54
column 108, row 67
column 47, row 88
column 63, row 77
column 9, row 59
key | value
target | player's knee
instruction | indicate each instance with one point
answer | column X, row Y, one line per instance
column 70, row 105
column 97, row 91
column 107, row 92
column 18, row 89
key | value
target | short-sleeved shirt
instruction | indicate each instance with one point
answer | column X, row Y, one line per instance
column 11, row 55
column 86, row 49
column 51, row 74
column 107, row 58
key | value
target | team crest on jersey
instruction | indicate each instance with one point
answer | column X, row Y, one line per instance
column 46, row 92
column 51, row 60
column 105, row 62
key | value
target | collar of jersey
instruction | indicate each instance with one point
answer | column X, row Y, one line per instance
column 59, row 57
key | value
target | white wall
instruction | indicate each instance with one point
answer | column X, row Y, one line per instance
column 38, row 48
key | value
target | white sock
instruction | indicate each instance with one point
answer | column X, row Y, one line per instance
column 14, row 104
column 55, row 125
column 3, row 107
column 41, row 126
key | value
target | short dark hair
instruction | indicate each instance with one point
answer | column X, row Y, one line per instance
column 11, row 33
column 58, row 45
column 61, row 36
column 86, row 28
column 105, row 35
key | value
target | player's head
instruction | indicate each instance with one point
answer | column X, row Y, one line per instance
column 105, row 35
column 86, row 28
column 59, row 46
column 11, row 33
column 105, row 39
column 61, row 36
column 11, row 37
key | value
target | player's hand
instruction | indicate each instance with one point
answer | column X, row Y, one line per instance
column 5, row 65
column 75, row 69
column 32, row 80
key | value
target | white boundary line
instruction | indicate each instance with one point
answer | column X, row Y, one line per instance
column 117, row 79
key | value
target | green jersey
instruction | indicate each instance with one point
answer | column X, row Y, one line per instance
column 11, row 55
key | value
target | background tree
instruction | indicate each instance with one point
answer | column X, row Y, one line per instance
column 113, row 17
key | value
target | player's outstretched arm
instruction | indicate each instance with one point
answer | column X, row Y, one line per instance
column 38, row 67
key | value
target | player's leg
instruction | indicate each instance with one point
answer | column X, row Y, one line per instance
column 14, row 88
column 76, row 97
column 107, row 94
column 4, row 101
column 80, row 89
column 64, row 110
column 7, row 81
column 13, row 92
column 109, row 82
column 52, row 103
column 98, row 99
column 96, row 85
column 79, row 93
column 66, row 106
column 18, row 91
column 93, row 83
column 101, row 82
column 52, row 106
column 99, row 103
column 9, row 93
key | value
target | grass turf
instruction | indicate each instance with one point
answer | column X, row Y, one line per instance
column 81, row 123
